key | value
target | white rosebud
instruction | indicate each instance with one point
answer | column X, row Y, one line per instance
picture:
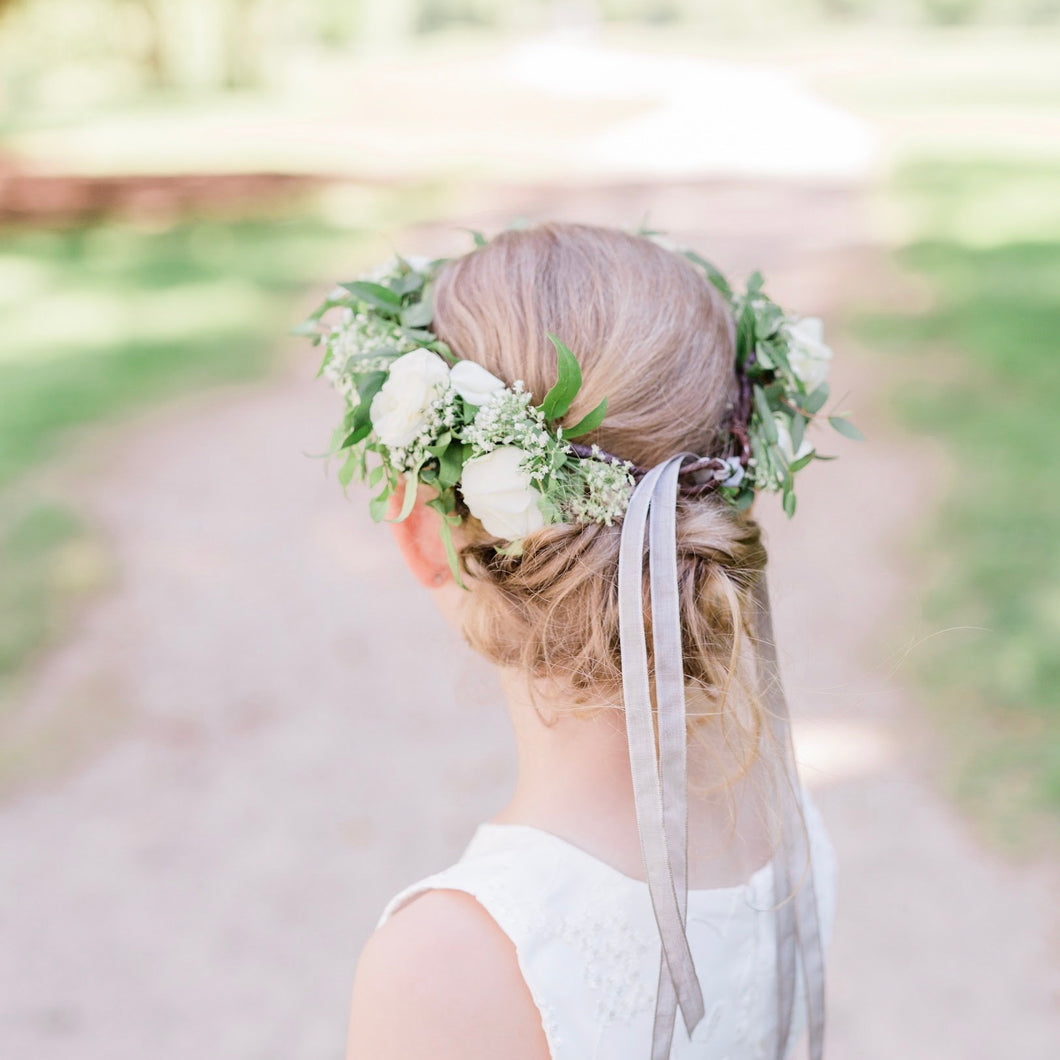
column 473, row 383
column 498, row 492
column 808, row 356
column 784, row 440
column 401, row 408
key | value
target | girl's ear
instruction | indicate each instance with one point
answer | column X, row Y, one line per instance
column 420, row 540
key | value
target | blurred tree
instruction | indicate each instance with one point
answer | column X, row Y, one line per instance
column 199, row 44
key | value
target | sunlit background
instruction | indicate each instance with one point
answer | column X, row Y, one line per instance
column 230, row 728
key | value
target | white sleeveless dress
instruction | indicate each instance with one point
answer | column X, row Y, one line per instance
column 588, row 947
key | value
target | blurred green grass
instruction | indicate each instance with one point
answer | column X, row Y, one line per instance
column 107, row 319
column 984, row 376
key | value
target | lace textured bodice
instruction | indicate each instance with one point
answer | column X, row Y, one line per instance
column 588, row 947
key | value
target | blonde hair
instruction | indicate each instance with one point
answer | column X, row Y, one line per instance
column 655, row 338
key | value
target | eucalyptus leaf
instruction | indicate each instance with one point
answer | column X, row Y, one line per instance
column 845, row 427
column 445, row 529
column 799, row 464
column 377, row 506
column 765, row 415
column 789, row 503
column 813, row 402
column 349, row 466
column 408, row 499
column 764, row 355
column 798, row 429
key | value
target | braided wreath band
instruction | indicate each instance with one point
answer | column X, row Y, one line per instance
column 414, row 410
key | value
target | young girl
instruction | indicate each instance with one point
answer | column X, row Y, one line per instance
column 646, row 892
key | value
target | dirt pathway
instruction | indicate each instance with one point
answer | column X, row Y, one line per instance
column 201, row 886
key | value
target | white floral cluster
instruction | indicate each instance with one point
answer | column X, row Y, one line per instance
column 350, row 342
column 515, row 477
column 508, row 418
column 602, row 490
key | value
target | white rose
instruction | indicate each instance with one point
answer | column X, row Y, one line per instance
column 401, row 408
column 808, row 355
column 498, row 492
column 473, row 383
column 784, row 440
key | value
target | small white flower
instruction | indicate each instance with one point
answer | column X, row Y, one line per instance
column 402, row 407
column 473, row 383
column 784, row 440
column 736, row 472
column 418, row 261
column 808, row 355
column 498, row 491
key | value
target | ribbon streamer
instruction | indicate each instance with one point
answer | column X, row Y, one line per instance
column 660, row 776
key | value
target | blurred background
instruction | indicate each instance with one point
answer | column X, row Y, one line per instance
column 230, row 726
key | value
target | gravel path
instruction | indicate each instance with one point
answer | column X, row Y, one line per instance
column 279, row 764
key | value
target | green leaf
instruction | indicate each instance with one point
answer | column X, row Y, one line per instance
column 378, row 505
column 376, row 295
column 446, row 532
column 798, row 429
column 419, row 314
column 403, row 285
column 478, row 238
column 568, row 383
column 814, row 401
column 441, row 444
column 349, row 466
column 765, row 415
column 451, row 464
column 588, row 422
column 713, row 273
column 845, row 427
column 764, row 355
column 358, row 434
column 799, row 464
column 409, row 498
column 375, row 476
column 745, row 333
column 789, row 503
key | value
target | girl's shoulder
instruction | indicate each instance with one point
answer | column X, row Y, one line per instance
column 440, row 978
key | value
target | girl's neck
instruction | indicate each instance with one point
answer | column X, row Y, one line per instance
column 574, row 781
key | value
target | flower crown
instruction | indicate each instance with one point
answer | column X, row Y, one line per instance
column 415, row 411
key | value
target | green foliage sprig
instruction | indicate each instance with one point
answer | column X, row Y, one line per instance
column 785, row 362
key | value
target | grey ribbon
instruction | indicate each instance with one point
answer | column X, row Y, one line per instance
column 660, row 776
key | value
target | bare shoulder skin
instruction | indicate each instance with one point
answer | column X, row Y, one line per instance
column 441, row 979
